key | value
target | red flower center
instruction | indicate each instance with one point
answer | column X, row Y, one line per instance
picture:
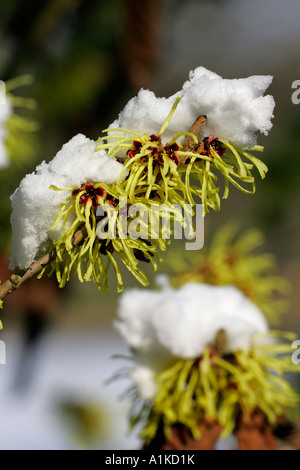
column 91, row 193
column 211, row 142
column 157, row 151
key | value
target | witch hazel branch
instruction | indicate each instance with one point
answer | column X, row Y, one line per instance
column 171, row 151
column 204, row 362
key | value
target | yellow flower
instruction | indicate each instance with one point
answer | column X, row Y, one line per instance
column 166, row 171
column 218, row 387
column 93, row 256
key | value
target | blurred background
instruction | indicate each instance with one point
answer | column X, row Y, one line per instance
column 88, row 58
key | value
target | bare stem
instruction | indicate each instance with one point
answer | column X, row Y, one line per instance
column 16, row 280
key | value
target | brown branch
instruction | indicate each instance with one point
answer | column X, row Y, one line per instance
column 182, row 439
column 16, row 280
column 189, row 145
column 288, row 433
column 256, row 433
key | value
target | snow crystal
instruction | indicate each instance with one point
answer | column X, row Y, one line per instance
column 36, row 206
column 236, row 108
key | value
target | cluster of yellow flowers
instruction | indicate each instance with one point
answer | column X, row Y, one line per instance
column 154, row 173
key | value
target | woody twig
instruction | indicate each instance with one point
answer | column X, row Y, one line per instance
column 16, row 280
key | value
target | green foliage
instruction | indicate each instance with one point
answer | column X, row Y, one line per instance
column 230, row 259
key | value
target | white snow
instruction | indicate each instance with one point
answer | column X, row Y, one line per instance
column 163, row 326
column 144, row 379
column 36, row 206
column 236, row 108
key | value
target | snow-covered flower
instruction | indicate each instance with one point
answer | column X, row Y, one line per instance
column 36, row 206
column 87, row 175
column 235, row 108
column 200, row 352
column 204, row 129
column 61, row 198
column 169, row 324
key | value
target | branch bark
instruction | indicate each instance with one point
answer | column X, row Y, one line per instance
column 16, row 280
column 181, row 438
column 256, row 433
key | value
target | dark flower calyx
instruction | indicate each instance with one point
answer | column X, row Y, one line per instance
column 171, row 152
column 157, row 151
column 91, row 193
column 136, row 147
column 213, row 142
